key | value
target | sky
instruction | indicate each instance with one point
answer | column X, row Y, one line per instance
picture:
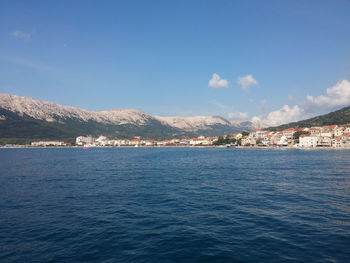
column 267, row 61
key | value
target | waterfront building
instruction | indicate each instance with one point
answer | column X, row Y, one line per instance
column 134, row 142
column 282, row 141
column 47, row 143
column 324, row 141
column 315, row 131
column 248, row 141
column 256, row 134
column 307, row 141
column 339, row 131
column 288, row 133
column 267, row 140
column 82, row 140
column 101, row 140
column 337, row 142
column 346, row 140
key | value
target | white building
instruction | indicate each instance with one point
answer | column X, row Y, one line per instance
column 82, row 140
column 337, row 142
column 48, row 143
column 256, row 134
column 346, row 140
column 282, row 141
column 149, row 142
column 289, row 133
column 307, row 141
column 248, row 141
column 325, row 139
column 339, row 131
column 102, row 140
column 267, row 140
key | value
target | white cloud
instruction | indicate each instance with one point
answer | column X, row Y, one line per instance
column 338, row 95
column 216, row 82
column 247, row 81
column 21, row 35
column 284, row 115
column 238, row 115
column 290, row 98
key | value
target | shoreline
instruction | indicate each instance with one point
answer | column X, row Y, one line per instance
column 177, row 146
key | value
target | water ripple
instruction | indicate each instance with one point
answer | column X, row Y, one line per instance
column 174, row 205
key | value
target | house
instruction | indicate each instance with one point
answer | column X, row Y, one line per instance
column 149, row 142
column 289, row 133
column 346, row 140
column 213, row 139
column 329, row 128
column 315, row 131
column 282, row 141
column 324, row 141
column 308, row 141
column 274, row 137
column 338, row 131
column 198, row 141
column 81, row 140
column 102, row 140
column 248, row 141
column 256, row 134
column 184, row 142
column 337, row 142
column 47, row 143
column 135, row 142
column 266, row 140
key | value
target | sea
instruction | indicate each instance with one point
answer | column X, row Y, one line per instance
column 174, row 205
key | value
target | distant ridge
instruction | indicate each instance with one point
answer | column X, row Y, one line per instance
column 338, row 117
column 23, row 119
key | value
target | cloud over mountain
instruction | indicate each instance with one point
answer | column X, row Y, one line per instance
column 284, row 115
column 337, row 96
column 237, row 115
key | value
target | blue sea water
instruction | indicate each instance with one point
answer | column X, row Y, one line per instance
column 174, row 205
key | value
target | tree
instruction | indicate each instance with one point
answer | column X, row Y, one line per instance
column 222, row 141
column 297, row 134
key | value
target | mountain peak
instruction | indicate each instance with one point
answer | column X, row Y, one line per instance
column 118, row 122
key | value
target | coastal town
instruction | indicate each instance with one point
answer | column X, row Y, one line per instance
column 331, row 136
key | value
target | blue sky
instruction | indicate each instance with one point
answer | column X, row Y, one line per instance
column 159, row 56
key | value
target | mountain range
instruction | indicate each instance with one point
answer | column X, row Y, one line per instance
column 23, row 119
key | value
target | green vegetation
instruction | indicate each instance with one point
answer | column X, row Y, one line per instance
column 223, row 141
column 298, row 133
column 245, row 133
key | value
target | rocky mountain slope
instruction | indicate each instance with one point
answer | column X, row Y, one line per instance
column 26, row 118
